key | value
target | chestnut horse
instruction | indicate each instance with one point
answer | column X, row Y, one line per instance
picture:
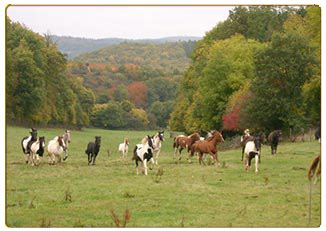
column 208, row 146
column 181, row 142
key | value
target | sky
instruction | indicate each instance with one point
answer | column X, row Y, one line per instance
column 131, row 22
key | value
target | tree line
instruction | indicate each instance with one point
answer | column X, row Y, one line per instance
column 39, row 90
column 259, row 69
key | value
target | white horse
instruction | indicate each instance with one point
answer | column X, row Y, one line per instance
column 37, row 150
column 55, row 148
column 123, row 148
column 157, row 144
column 67, row 139
column 252, row 150
column 144, row 154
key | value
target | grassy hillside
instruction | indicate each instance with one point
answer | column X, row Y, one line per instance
column 187, row 195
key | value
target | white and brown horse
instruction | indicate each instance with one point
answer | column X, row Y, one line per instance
column 181, row 142
column 67, row 139
column 55, row 148
column 123, row 148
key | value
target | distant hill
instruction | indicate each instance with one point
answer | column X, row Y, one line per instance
column 74, row 46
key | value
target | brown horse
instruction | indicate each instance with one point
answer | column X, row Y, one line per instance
column 181, row 142
column 315, row 169
column 208, row 146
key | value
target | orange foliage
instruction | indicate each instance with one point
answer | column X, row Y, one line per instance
column 97, row 66
column 138, row 93
column 115, row 69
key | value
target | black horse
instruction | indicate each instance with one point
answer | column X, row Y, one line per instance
column 93, row 149
column 273, row 138
column 318, row 134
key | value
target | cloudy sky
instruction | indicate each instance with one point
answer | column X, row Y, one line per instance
column 132, row 22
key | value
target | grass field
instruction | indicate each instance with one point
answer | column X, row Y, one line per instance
column 73, row 194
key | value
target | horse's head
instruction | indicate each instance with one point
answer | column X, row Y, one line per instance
column 195, row 136
column 126, row 141
column 217, row 135
column 68, row 136
column 149, row 141
column 98, row 140
column 161, row 135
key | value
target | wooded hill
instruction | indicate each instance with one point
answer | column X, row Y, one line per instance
column 74, row 46
column 258, row 69
column 145, row 76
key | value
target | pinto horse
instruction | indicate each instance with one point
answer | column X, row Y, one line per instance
column 252, row 150
column 181, row 142
column 37, row 150
column 55, row 148
column 208, row 146
column 27, row 142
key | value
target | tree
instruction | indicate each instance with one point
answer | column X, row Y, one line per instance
column 28, row 93
column 282, row 69
column 138, row 93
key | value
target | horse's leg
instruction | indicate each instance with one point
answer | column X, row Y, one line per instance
column 243, row 148
column 94, row 157
column 145, row 166
column 157, row 155
column 66, row 155
column 256, row 162
column 200, row 158
column 136, row 162
column 215, row 157
column 180, row 150
column 89, row 158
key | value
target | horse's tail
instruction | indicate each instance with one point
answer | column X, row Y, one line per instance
column 135, row 153
column 313, row 167
column 175, row 142
column 22, row 143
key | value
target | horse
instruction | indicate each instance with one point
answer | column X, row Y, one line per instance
column 123, row 148
column 318, row 134
column 67, row 139
column 252, row 150
column 93, row 149
column 243, row 140
column 182, row 141
column 157, row 144
column 208, row 146
column 144, row 154
column 274, row 137
column 37, row 150
column 55, row 147
column 26, row 143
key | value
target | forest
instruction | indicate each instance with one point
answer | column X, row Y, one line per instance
column 260, row 68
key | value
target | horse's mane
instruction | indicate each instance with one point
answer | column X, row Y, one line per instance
column 194, row 135
column 213, row 135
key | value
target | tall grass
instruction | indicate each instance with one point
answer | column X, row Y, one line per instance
column 73, row 194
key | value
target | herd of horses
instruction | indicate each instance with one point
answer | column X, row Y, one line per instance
column 148, row 150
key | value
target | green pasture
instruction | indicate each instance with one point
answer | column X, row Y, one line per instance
column 73, row 194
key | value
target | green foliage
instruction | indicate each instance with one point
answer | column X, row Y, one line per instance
column 282, row 69
column 38, row 89
column 274, row 52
